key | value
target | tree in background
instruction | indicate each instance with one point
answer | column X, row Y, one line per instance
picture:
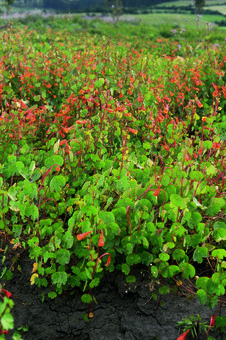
column 199, row 4
column 7, row 4
column 115, row 7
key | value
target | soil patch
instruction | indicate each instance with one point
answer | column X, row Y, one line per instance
column 122, row 312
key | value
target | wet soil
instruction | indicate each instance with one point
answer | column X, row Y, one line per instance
column 122, row 312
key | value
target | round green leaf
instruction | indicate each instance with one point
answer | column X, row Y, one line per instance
column 154, row 271
column 188, row 269
column 59, row 278
column 130, row 279
column 52, row 295
column 55, row 159
column 220, row 253
column 86, row 298
column 57, row 183
column 107, row 217
column 196, row 175
column 62, row 256
column 199, row 253
column 7, row 320
column 177, row 201
column 202, row 296
column 215, row 288
column 164, row 256
column 201, row 282
column 164, row 290
column 178, row 254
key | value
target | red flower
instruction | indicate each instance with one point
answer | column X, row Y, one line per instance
column 166, row 109
column 133, row 131
column 109, row 258
column 4, row 332
column 183, row 336
column 156, row 193
column 188, row 157
column 166, row 147
column 216, row 145
column 66, row 130
column 66, row 143
column 82, row 236
column 200, row 151
column 101, row 239
column 212, row 320
column 127, row 114
column 81, row 121
column 194, row 155
column 199, row 103
column 8, row 294
column 212, row 323
column 108, row 261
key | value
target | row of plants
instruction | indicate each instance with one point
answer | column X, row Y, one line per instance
column 112, row 155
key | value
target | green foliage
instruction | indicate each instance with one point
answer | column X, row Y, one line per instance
column 195, row 325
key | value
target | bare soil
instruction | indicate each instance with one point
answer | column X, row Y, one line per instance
column 122, row 312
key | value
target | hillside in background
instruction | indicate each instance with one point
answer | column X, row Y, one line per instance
column 128, row 5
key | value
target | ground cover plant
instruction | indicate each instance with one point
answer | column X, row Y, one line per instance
column 112, row 155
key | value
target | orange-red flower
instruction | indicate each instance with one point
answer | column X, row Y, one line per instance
column 81, row 121
column 194, row 155
column 101, row 239
column 64, row 141
column 199, row 103
column 200, row 150
column 133, row 131
column 82, row 236
column 66, row 130
column 188, row 157
column 108, row 261
column 183, row 336
column 212, row 320
column 8, row 294
column 166, row 147
column 216, row 145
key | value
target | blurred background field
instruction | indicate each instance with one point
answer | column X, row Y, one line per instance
column 151, row 12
